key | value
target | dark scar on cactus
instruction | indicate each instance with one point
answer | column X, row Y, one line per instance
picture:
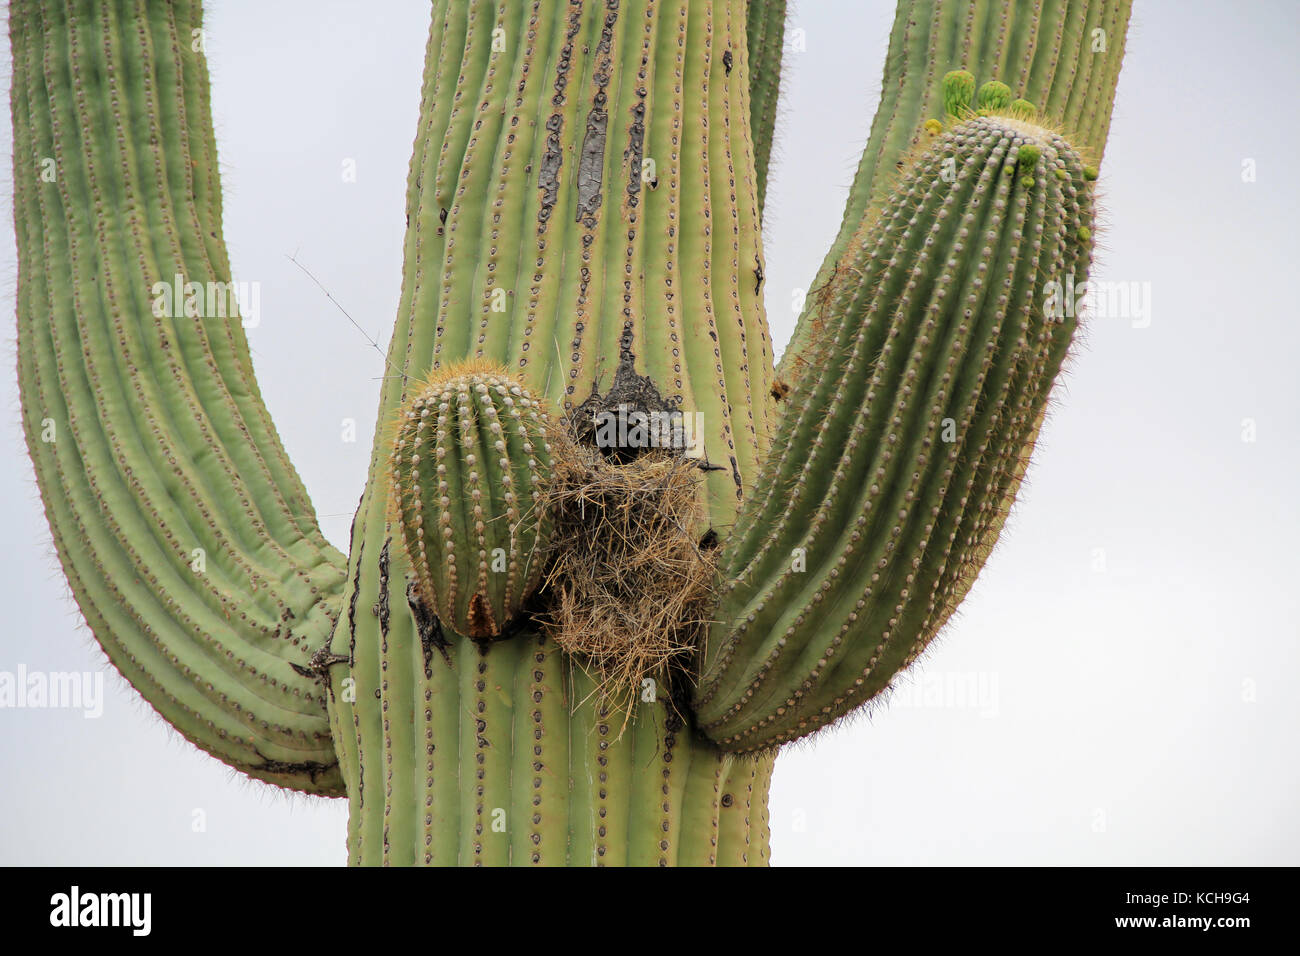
column 525, row 619
column 352, row 601
column 318, row 665
column 726, row 62
column 636, row 393
column 758, row 274
column 548, row 176
column 382, row 606
column 591, row 163
column 482, row 626
column 591, row 156
column 429, row 628
column 633, row 153
column 522, row 621
column 310, row 767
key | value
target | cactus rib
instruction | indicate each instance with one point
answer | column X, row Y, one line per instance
column 765, row 34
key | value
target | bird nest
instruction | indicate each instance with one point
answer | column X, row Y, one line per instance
column 630, row 586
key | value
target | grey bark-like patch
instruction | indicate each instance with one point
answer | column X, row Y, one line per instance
column 548, row 173
column 591, row 164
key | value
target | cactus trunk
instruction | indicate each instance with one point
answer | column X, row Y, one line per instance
column 507, row 758
column 581, row 206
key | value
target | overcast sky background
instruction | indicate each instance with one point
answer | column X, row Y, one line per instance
column 1131, row 639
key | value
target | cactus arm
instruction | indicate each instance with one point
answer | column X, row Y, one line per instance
column 184, row 532
column 901, row 455
column 765, row 32
column 892, row 537
column 1044, row 51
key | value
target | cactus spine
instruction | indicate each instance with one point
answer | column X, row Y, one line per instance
column 583, row 211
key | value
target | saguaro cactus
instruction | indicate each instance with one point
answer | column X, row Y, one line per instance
column 583, row 240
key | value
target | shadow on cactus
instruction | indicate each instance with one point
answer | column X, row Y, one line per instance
column 547, row 645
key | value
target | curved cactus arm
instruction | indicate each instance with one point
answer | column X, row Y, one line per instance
column 900, row 457
column 765, row 32
column 187, row 537
column 1063, row 56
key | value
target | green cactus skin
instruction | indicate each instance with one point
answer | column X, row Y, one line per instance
column 583, row 213
column 941, row 325
column 765, row 34
column 470, row 468
column 548, row 165
column 1044, row 51
column 525, row 188
column 187, row 537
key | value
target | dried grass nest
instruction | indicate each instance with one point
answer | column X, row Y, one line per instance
column 629, row 585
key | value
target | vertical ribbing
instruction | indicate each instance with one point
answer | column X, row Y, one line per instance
column 1046, row 53
column 185, row 534
column 535, row 150
column 898, row 458
column 565, row 308
column 765, row 41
